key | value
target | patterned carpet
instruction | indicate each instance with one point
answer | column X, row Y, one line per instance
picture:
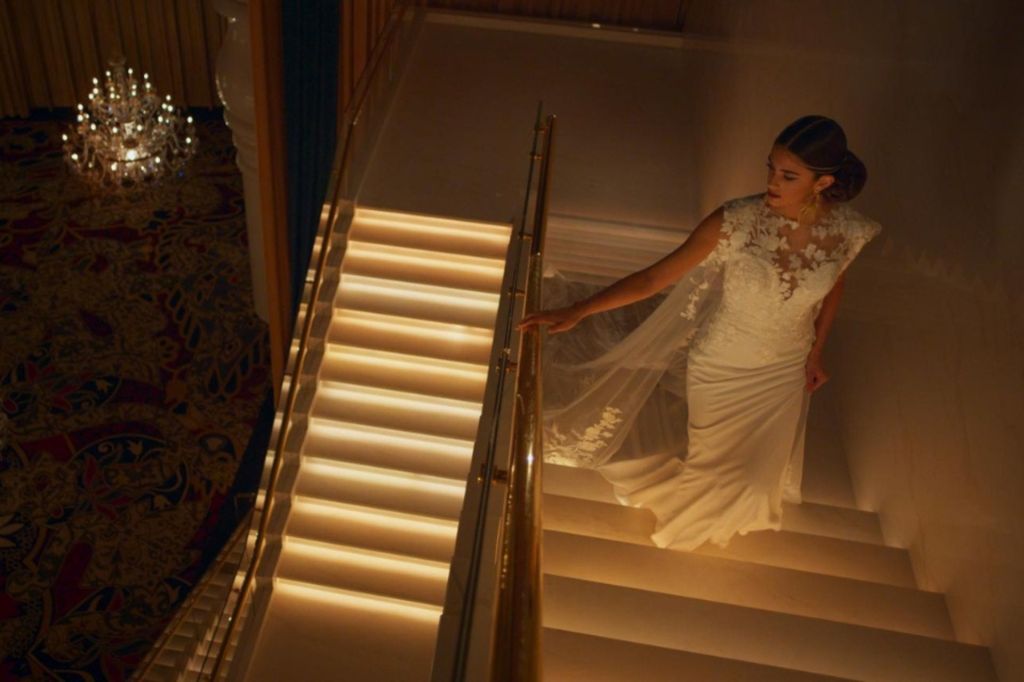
column 132, row 372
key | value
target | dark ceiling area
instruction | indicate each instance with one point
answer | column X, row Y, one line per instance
column 661, row 15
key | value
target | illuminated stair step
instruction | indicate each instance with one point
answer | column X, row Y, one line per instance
column 396, row 410
column 475, row 226
column 404, row 372
column 413, row 452
column 810, row 518
column 421, row 301
column 757, row 636
column 786, row 549
column 406, row 335
column 363, row 571
column 380, row 488
column 741, row 583
column 376, row 529
column 438, row 234
column 387, row 441
column 426, row 267
column 575, row 656
column 330, row 634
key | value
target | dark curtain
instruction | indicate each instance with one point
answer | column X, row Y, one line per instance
column 310, row 67
column 309, row 32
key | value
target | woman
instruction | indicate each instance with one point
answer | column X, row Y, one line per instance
column 740, row 337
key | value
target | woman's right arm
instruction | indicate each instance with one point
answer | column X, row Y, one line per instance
column 641, row 284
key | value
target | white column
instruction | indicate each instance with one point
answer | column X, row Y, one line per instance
column 234, row 86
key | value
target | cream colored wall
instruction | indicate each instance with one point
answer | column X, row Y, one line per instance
column 459, row 134
column 927, row 354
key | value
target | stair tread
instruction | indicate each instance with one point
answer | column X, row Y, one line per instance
column 424, row 265
column 833, row 556
column 404, row 372
column 380, row 488
column 481, row 239
column 376, row 529
column 578, row 657
column 362, row 570
column 302, row 629
column 397, row 409
column 417, row 300
column 807, row 517
column 757, row 635
column 397, row 334
column 404, row 450
column 419, row 219
column 742, row 583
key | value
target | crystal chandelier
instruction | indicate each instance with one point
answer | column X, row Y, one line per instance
column 124, row 137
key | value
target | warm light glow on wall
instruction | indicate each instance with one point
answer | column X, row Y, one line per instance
column 420, row 293
column 428, row 446
column 366, row 395
column 399, row 363
column 424, row 329
column 482, row 232
column 403, row 482
column 398, row 256
column 395, row 520
column 351, row 556
column 386, row 605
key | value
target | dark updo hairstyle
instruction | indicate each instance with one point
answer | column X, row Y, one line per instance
column 820, row 143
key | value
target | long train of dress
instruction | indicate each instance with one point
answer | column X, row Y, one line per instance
column 745, row 436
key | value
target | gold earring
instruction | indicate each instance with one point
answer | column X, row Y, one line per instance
column 814, row 205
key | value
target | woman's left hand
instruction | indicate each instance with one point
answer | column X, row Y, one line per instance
column 816, row 374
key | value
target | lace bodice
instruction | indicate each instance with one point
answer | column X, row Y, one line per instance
column 775, row 277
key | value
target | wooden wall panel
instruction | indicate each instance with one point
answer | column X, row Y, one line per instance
column 50, row 50
column 362, row 25
column 663, row 15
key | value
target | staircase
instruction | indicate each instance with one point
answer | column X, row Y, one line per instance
column 183, row 656
column 361, row 573
column 822, row 599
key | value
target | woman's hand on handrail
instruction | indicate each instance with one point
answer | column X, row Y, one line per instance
column 639, row 285
column 557, row 319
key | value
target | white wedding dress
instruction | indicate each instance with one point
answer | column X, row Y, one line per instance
column 723, row 354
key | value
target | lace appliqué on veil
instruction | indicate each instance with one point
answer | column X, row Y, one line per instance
column 580, row 449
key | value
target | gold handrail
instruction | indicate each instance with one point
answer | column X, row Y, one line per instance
column 518, row 623
column 324, row 234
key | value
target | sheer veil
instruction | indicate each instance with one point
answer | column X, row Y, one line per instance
column 615, row 386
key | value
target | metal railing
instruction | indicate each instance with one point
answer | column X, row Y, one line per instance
column 518, row 622
column 372, row 89
column 491, row 624
column 221, row 565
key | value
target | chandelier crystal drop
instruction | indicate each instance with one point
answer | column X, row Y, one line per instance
column 126, row 134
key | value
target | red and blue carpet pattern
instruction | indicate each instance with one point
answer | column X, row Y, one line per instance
column 132, row 371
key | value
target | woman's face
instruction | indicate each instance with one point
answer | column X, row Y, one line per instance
column 790, row 182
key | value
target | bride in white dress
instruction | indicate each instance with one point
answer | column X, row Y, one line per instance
column 734, row 349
